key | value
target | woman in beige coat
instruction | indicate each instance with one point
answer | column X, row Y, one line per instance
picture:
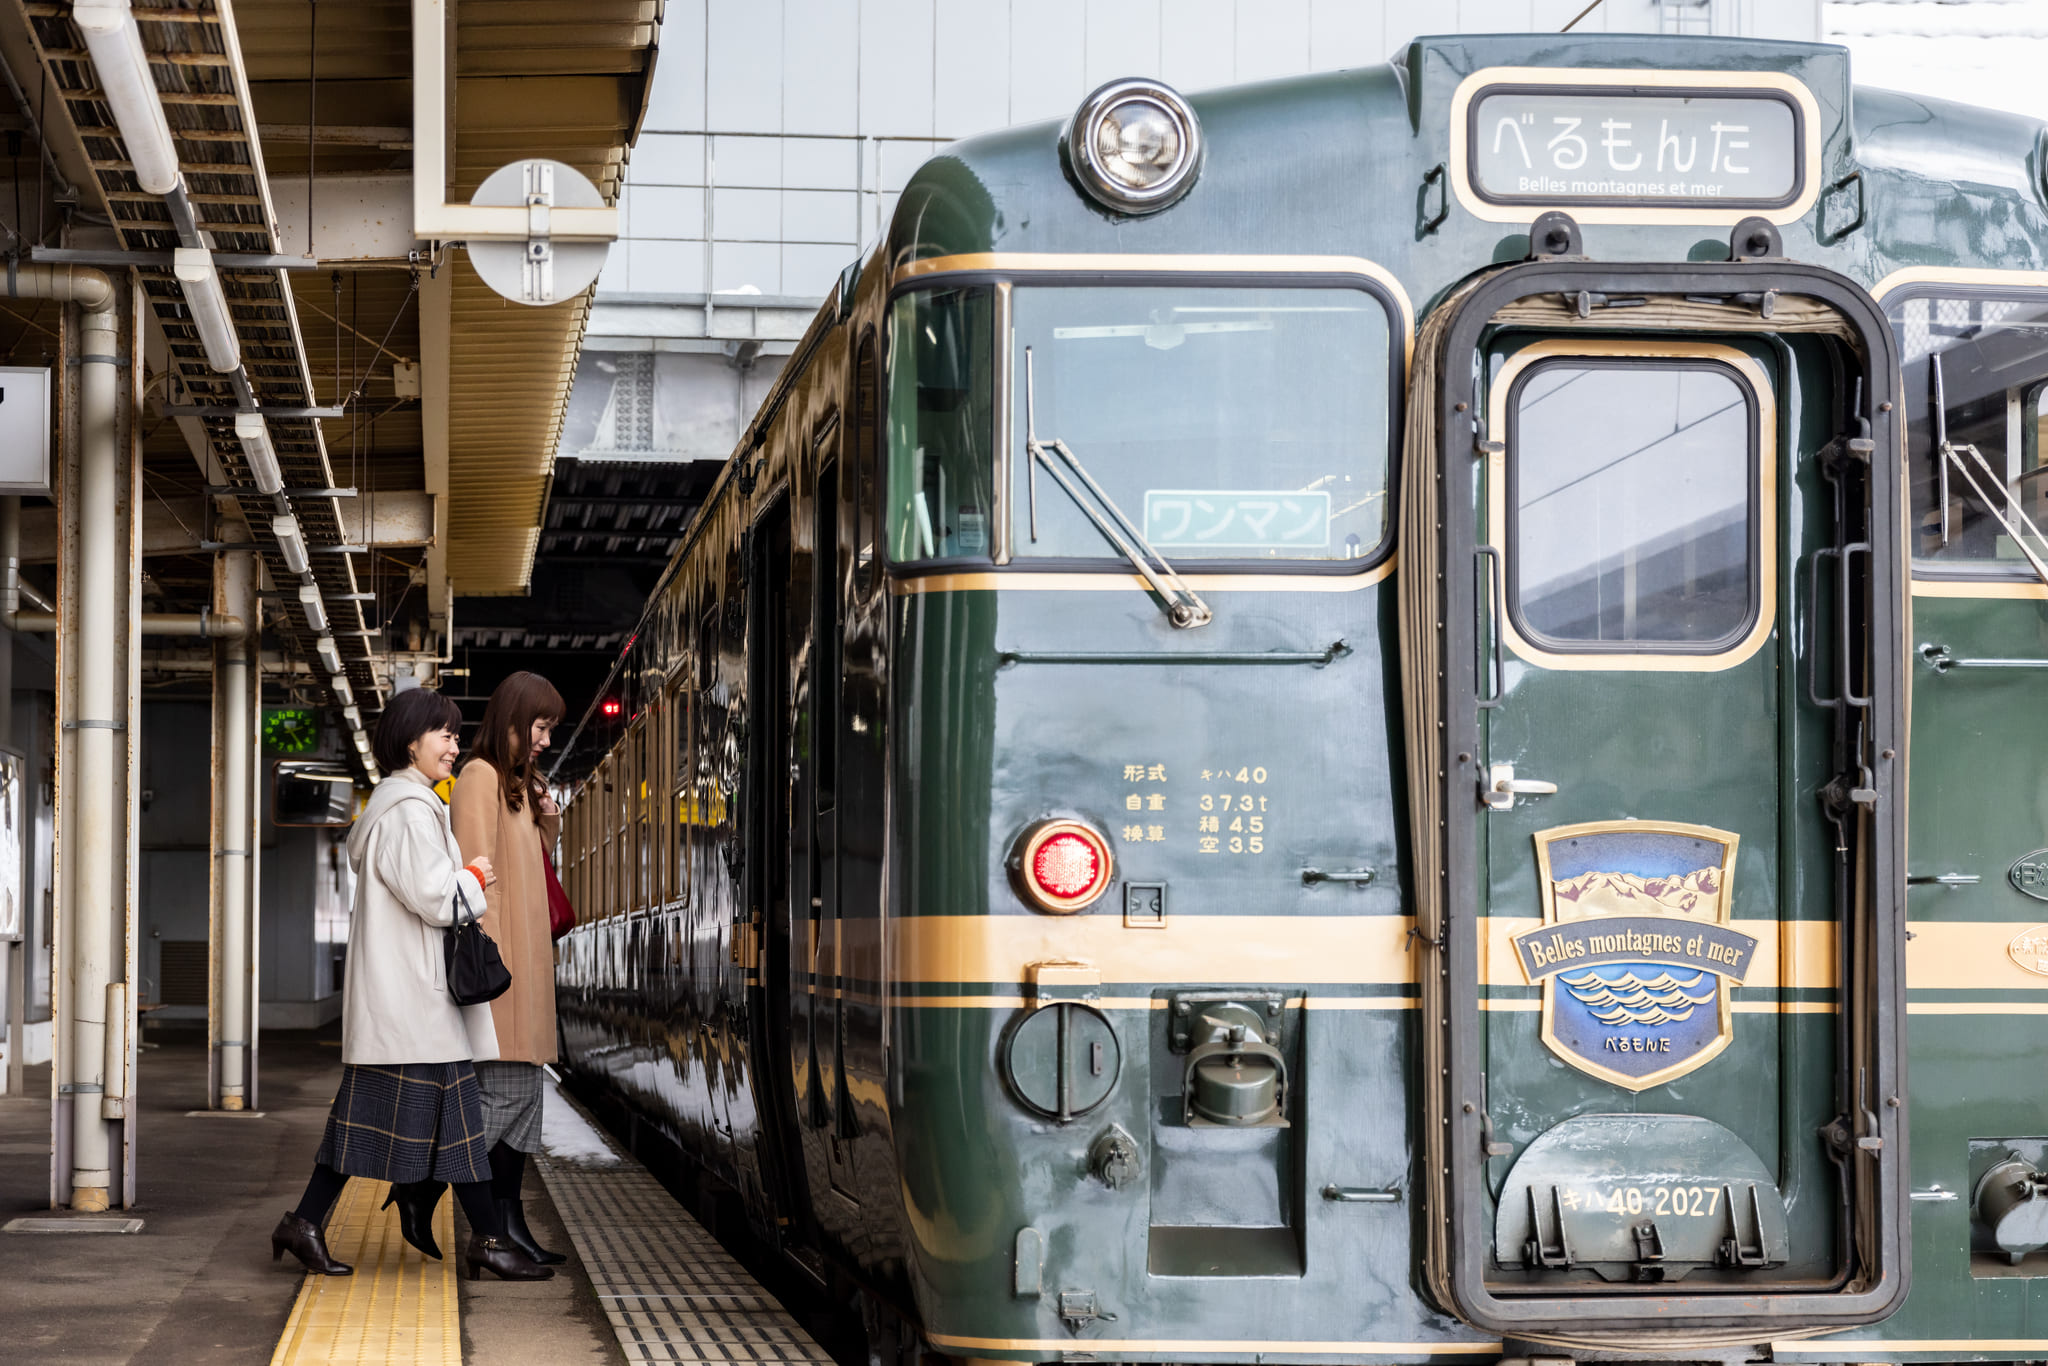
column 502, row 811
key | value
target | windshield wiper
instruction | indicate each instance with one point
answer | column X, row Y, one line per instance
column 2017, row 524
column 1180, row 603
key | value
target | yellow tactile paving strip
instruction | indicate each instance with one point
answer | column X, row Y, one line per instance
column 399, row 1309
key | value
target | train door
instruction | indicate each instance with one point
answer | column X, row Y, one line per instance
column 1641, row 810
column 770, row 754
column 828, row 969
column 1665, row 808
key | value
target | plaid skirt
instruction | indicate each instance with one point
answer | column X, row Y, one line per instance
column 512, row 1102
column 409, row 1122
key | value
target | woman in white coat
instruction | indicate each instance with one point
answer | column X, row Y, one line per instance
column 408, row 1110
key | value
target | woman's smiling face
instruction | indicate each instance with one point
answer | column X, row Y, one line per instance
column 433, row 754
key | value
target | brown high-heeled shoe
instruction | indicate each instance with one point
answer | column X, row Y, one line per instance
column 305, row 1241
column 508, row 1263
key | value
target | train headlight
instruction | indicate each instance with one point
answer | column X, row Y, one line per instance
column 1135, row 145
column 1061, row 866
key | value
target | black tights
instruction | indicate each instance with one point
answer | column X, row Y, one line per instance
column 325, row 1188
column 508, row 1171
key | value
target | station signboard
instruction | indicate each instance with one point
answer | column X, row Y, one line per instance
column 24, row 429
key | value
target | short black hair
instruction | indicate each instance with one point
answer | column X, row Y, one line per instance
column 407, row 717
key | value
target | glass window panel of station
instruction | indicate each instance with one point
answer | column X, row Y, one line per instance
column 1989, row 358
column 1632, row 506
column 1228, row 423
column 941, row 418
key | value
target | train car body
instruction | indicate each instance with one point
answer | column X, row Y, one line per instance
column 1304, row 756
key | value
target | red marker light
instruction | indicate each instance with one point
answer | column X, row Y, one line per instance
column 1064, row 865
column 612, row 706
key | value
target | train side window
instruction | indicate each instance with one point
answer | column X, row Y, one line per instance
column 941, row 425
column 1632, row 492
column 1988, row 359
column 867, row 434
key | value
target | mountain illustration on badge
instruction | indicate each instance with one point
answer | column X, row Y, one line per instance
column 1637, row 956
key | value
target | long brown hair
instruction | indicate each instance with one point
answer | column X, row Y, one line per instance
column 504, row 740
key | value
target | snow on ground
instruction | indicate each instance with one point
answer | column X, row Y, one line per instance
column 567, row 1135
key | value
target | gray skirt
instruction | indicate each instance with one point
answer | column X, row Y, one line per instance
column 512, row 1099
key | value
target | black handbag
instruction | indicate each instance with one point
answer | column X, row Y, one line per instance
column 475, row 971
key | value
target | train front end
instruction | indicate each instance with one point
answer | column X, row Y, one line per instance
column 1396, row 836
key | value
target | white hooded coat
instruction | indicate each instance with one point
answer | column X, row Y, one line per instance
column 395, row 1006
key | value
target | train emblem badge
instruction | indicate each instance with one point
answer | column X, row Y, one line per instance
column 1637, row 958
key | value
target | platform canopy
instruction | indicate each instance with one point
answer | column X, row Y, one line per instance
column 294, row 127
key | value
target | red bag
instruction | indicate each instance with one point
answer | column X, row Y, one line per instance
column 561, row 915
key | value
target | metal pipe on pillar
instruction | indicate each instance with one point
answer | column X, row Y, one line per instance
column 96, row 839
column 235, row 835
column 96, row 1004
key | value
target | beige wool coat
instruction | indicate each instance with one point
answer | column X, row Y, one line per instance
column 517, row 917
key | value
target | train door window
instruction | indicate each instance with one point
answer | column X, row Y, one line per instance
column 867, row 431
column 1633, row 504
column 941, row 421
column 1974, row 369
column 1232, row 423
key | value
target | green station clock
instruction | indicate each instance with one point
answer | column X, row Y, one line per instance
column 290, row 730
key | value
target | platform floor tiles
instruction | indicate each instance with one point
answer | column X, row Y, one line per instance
column 399, row 1309
column 671, row 1292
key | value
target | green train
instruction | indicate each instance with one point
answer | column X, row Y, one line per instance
column 1288, row 738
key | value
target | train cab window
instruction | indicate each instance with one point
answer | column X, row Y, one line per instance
column 1987, row 359
column 941, row 419
column 1231, row 423
column 1632, row 499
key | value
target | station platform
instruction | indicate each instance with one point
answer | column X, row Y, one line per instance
column 196, row 1284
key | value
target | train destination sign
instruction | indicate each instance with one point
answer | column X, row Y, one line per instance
column 1655, row 146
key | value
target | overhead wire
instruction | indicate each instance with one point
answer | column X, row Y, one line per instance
column 1580, row 15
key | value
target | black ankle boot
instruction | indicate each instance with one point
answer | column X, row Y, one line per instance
column 504, row 1261
column 512, row 1216
column 416, row 1201
column 305, row 1241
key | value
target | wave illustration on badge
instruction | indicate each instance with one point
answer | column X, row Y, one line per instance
column 1653, row 1002
column 1637, row 957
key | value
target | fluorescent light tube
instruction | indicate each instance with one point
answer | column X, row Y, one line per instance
column 329, row 656
column 286, row 529
column 309, row 600
column 362, row 743
column 208, row 305
column 343, row 690
column 354, row 717
column 258, row 452
column 123, row 69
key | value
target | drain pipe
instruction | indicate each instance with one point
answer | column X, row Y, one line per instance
column 235, row 845
column 96, row 848
column 93, row 853
column 94, row 742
